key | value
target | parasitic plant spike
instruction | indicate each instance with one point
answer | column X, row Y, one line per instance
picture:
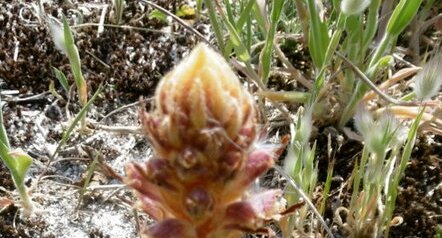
column 203, row 130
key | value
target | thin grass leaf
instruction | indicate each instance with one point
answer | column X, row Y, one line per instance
column 240, row 49
column 245, row 14
column 311, row 173
column 89, row 173
column 217, row 27
column 73, row 55
column 3, row 136
column 54, row 92
column 229, row 11
column 301, row 11
column 372, row 23
column 327, row 186
column 62, row 79
column 260, row 19
column 402, row 16
column 76, row 120
column 266, row 57
column 318, row 39
column 249, row 39
column 335, row 39
column 306, row 199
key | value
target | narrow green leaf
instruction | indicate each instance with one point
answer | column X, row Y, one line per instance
column 229, row 11
column 318, row 40
column 73, row 55
column 217, row 27
column 372, row 23
column 290, row 96
column 61, row 78
column 76, row 120
column 3, row 135
column 245, row 14
column 119, row 8
column 266, row 58
column 89, row 173
column 402, row 16
column 260, row 20
column 68, row 37
column 327, row 186
column 240, row 49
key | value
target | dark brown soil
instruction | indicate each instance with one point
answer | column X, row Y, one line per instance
column 420, row 198
column 131, row 61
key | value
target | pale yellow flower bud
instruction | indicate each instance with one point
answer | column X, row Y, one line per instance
column 201, row 106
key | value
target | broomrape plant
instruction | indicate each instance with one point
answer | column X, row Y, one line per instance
column 203, row 131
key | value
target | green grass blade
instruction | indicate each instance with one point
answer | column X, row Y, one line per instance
column 18, row 164
column 318, row 39
column 260, row 20
column 402, row 16
column 89, row 173
column 3, row 135
column 240, row 49
column 245, row 14
column 334, row 41
column 266, row 58
column 62, row 79
column 119, row 8
column 327, row 186
column 73, row 55
column 229, row 11
column 217, row 27
column 76, row 120
column 372, row 23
